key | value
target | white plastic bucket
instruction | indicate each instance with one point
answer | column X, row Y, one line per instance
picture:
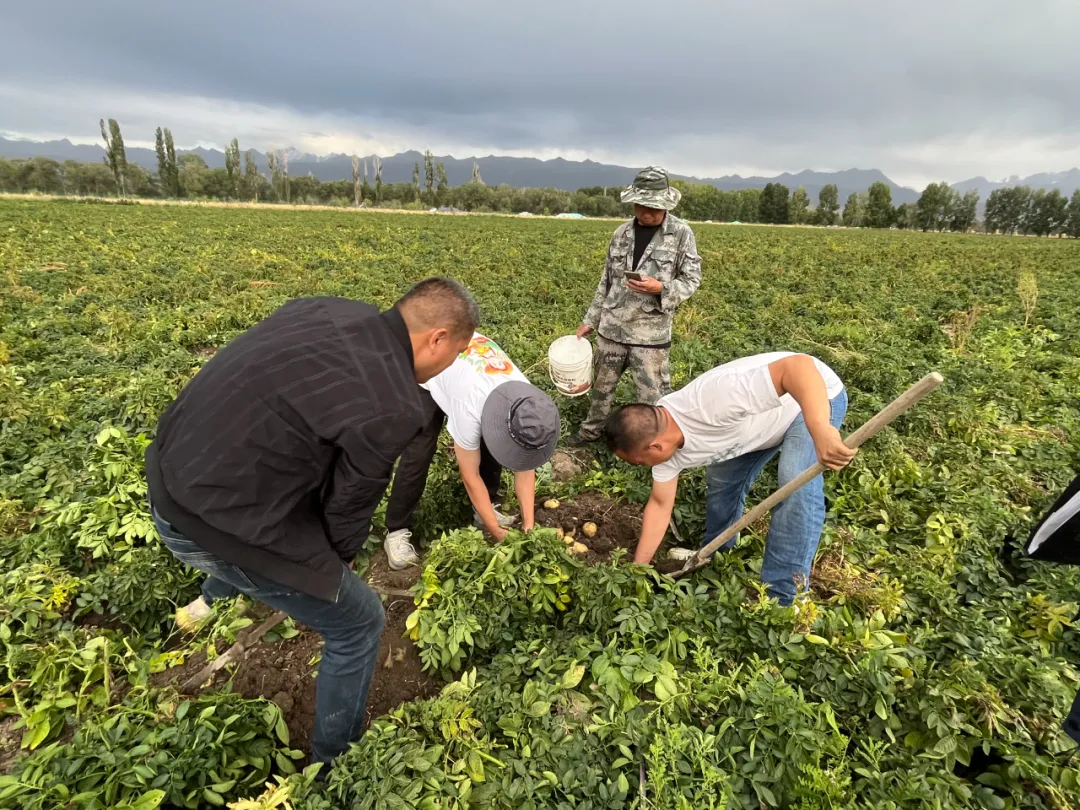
column 570, row 365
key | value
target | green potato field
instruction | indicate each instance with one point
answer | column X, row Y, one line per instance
column 925, row 669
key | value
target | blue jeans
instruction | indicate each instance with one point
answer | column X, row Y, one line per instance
column 350, row 627
column 795, row 529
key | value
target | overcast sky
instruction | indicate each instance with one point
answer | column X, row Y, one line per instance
column 925, row 91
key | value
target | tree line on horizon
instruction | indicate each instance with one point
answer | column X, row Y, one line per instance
column 1015, row 210
column 939, row 208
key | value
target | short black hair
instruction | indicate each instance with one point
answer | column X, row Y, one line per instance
column 439, row 302
column 631, row 427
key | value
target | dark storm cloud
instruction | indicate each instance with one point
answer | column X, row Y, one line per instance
column 708, row 84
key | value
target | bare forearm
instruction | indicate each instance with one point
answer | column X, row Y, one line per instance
column 481, row 502
column 653, row 528
column 804, row 382
column 525, row 489
column 798, row 375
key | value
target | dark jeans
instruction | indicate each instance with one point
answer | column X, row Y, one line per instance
column 412, row 471
column 350, row 627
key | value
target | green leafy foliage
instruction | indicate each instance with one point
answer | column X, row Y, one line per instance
column 179, row 753
column 474, row 595
column 54, row 679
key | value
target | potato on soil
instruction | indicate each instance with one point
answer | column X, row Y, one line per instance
column 589, row 529
column 551, row 503
column 579, row 548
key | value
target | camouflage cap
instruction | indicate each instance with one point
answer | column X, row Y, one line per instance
column 652, row 189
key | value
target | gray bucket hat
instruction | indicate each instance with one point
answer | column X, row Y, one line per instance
column 652, row 189
column 520, row 426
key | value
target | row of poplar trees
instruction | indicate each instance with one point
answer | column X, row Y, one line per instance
column 187, row 175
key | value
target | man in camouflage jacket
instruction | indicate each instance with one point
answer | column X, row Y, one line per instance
column 633, row 318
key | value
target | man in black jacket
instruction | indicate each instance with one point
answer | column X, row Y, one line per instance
column 267, row 468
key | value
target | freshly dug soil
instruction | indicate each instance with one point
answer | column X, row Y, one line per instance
column 618, row 524
column 668, row 566
column 10, row 737
column 399, row 676
column 380, row 574
column 103, row 621
column 284, row 671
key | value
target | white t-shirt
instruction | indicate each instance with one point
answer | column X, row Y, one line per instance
column 463, row 388
column 732, row 410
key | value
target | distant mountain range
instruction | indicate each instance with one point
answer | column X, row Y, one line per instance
column 1066, row 182
column 530, row 172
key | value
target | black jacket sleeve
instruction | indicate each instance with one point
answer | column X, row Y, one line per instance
column 361, row 473
column 350, row 502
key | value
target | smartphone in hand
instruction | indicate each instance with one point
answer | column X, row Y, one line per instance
column 633, row 276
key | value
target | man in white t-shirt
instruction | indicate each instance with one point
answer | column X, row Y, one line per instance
column 497, row 419
column 733, row 420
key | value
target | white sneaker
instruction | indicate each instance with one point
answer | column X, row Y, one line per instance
column 191, row 617
column 682, row 554
column 399, row 551
column 504, row 521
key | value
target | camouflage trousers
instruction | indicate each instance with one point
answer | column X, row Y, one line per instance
column 648, row 367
